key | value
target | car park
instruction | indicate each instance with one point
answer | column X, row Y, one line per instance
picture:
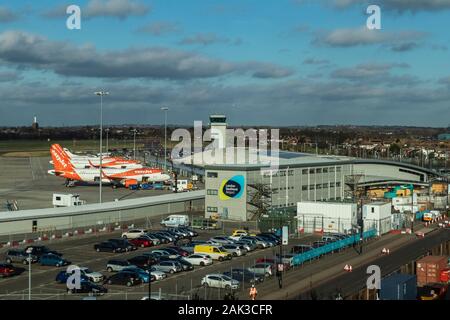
column 134, row 233
column 265, row 269
column 142, row 242
column 107, row 246
column 199, row 259
column 123, row 278
column 39, row 251
column 118, row 265
column 7, row 270
column 49, row 259
column 219, row 281
column 234, row 249
column 168, row 266
column 245, row 276
column 124, row 243
column 90, row 288
column 260, row 244
column 20, row 256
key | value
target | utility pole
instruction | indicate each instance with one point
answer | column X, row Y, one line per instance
column 101, row 94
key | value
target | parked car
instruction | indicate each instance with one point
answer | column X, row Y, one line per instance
column 142, row 261
column 272, row 241
column 187, row 266
column 39, row 251
column 92, row 275
column 179, row 250
column 218, row 280
column 168, row 266
column 134, row 233
column 234, row 249
column 107, row 246
column 159, row 275
column 124, row 278
column 244, row 276
column 260, row 244
column 329, row 239
column 63, row 276
column 248, row 244
column 168, row 237
column 124, row 243
column 7, row 270
column 139, row 273
column 53, row 260
column 263, row 268
column 272, row 236
column 301, row 248
column 318, row 244
column 191, row 232
column 221, row 240
column 237, row 234
column 156, row 241
column 153, row 257
column 88, row 287
column 142, row 242
column 162, row 238
column 165, row 252
column 189, row 247
column 118, row 265
column 20, row 256
column 274, row 261
column 199, row 259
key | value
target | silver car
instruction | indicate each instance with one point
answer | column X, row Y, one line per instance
column 234, row 249
column 168, row 267
column 249, row 245
column 220, row 281
column 261, row 244
column 221, row 240
column 264, row 269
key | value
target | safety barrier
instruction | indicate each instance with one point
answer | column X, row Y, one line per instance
column 333, row 246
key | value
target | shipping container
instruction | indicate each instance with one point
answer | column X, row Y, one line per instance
column 399, row 287
column 428, row 269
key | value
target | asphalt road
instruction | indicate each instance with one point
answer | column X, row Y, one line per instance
column 349, row 283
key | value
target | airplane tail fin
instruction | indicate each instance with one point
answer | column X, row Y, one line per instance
column 60, row 160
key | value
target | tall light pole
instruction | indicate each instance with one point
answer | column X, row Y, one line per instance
column 134, row 144
column 29, row 251
column 165, row 109
column 101, row 94
column 107, row 136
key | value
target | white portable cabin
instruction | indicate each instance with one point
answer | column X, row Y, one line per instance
column 326, row 216
column 67, row 200
column 378, row 215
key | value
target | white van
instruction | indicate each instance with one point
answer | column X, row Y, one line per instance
column 175, row 220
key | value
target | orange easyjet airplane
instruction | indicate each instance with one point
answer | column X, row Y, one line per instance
column 89, row 161
column 63, row 167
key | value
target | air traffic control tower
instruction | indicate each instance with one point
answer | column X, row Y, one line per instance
column 218, row 125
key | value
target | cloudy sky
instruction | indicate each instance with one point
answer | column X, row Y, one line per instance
column 271, row 62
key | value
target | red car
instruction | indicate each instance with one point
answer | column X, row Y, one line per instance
column 180, row 251
column 7, row 270
column 274, row 262
column 142, row 242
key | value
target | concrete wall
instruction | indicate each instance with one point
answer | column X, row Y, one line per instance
column 99, row 214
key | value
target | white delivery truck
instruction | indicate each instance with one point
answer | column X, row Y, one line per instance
column 67, row 200
column 182, row 186
column 176, row 220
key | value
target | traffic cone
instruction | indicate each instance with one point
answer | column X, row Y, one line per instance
column 388, row 251
column 350, row 268
column 346, row 268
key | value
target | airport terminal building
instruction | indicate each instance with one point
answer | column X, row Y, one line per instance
column 236, row 191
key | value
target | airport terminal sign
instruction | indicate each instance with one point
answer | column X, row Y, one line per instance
column 232, row 188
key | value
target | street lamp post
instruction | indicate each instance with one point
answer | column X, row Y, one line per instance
column 134, row 144
column 165, row 109
column 101, row 94
column 107, row 136
column 29, row 251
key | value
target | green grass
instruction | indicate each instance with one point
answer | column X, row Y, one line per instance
column 7, row 146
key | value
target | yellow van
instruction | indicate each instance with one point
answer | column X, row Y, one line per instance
column 215, row 252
